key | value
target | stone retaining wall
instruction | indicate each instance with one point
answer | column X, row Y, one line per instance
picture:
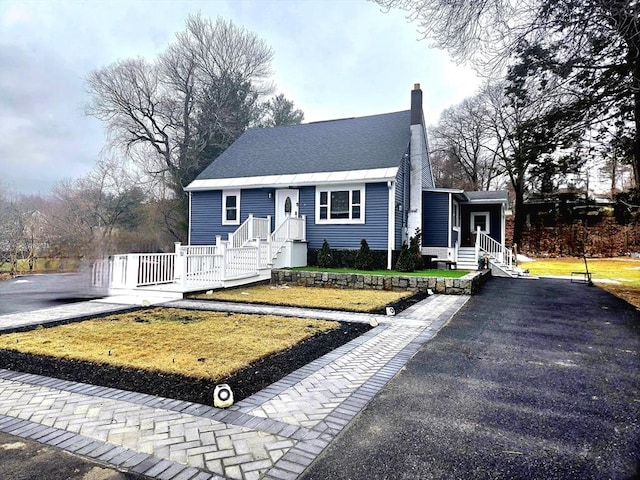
column 466, row 285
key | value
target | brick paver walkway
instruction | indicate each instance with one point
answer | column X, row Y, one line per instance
column 274, row 434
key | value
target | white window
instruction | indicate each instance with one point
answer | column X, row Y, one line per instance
column 231, row 207
column 480, row 219
column 455, row 216
column 343, row 204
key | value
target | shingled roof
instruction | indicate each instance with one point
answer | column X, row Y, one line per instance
column 372, row 142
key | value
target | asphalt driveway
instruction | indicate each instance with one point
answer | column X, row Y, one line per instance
column 532, row 379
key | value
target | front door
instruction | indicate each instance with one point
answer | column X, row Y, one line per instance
column 286, row 204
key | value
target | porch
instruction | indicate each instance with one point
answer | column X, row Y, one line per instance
column 499, row 259
column 246, row 256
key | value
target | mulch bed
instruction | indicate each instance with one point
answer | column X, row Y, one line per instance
column 244, row 383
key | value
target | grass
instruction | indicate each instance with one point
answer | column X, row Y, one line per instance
column 419, row 273
column 295, row 296
column 625, row 271
column 44, row 265
column 197, row 344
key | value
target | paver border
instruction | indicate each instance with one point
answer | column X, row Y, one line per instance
column 308, row 442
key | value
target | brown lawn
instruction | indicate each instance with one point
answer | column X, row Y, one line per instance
column 295, row 296
column 198, row 344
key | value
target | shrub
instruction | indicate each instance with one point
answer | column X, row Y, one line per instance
column 364, row 258
column 347, row 258
column 406, row 260
column 414, row 249
column 325, row 257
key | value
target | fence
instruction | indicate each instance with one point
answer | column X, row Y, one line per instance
column 249, row 249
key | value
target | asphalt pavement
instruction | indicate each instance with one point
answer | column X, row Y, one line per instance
column 25, row 293
column 531, row 379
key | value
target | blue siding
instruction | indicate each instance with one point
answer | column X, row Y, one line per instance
column 349, row 236
column 435, row 219
column 206, row 217
column 206, row 212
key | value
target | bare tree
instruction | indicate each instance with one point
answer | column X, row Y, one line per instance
column 463, row 134
column 86, row 216
column 591, row 46
column 483, row 32
column 21, row 225
column 529, row 146
column 174, row 115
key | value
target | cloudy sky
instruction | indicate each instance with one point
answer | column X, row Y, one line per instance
column 333, row 58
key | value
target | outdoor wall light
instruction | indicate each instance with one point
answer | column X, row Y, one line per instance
column 222, row 396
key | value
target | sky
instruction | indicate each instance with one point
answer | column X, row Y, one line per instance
column 332, row 58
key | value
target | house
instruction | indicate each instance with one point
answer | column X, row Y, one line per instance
column 348, row 179
column 277, row 192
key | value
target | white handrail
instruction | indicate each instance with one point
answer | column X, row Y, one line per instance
column 250, row 229
column 249, row 249
column 293, row 228
column 493, row 248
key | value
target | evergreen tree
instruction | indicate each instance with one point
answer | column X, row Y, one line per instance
column 364, row 257
column 414, row 249
column 406, row 260
column 325, row 257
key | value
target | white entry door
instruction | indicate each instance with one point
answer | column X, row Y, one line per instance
column 286, row 204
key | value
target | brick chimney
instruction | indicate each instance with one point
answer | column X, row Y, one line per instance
column 416, row 105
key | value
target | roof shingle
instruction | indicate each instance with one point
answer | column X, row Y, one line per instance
column 376, row 141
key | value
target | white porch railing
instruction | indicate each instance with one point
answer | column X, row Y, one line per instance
column 229, row 264
column 495, row 250
column 249, row 249
column 250, row 229
column 293, row 228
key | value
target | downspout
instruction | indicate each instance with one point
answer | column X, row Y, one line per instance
column 391, row 185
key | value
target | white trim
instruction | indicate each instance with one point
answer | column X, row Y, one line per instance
column 456, row 217
column 488, row 201
column 298, row 179
column 341, row 188
column 477, row 214
column 503, row 225
column 391, row 231
column 189, row 230
column 230, row 193
column 443, row 190
column 450, row 223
